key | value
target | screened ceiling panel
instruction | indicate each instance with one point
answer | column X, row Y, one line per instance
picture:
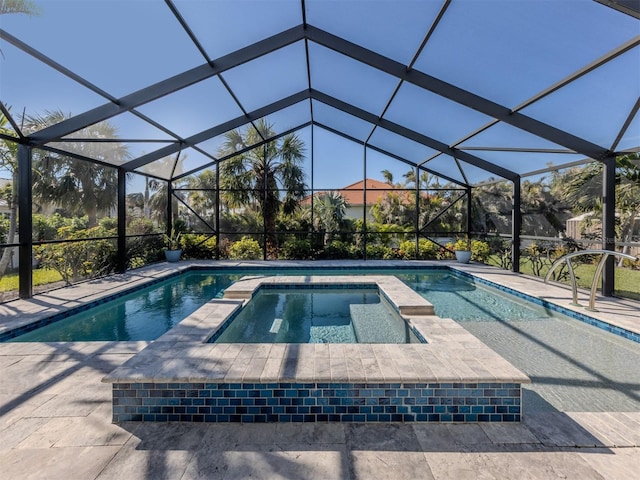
column 163, row 168
column 190, row 160
column 290, row 117
column 610, row 90
column 342, row 77
column 225, row 26
column 476, row 175
column 387, row 169
column 524, row 162
column 269, row 78
column 503, row 135
column 128, row 125
column 31, row 87
column 572, row 67
column 108, row 46
column 193, row 109
column 508, row 51
column 447, row 166
column 337, row 161
column 111, row 153
column 401, row 146
column 433, row 115
column 343, row 122
column 631, row 138
column 399, row 27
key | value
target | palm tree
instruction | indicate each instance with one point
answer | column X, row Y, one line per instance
column 80, row 187
column 584, row 189
column 202, row 194
column 8, row 161
column 18, row 6
column 330, row 209
column 257, row 177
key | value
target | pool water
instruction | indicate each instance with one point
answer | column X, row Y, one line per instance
column 464, row 300
column 148, row 313
column 142, row 315
column 317, row 315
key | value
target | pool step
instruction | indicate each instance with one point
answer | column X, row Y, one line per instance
column 375, row 323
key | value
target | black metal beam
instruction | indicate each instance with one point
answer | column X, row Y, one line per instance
column 413, row 135
column 516, row 226
column 456, row 94
column 25, row 232
column 217, row 130
column 609, row 223
column 627, row 124
column 121, row 262
column 53, row 64
column 168, row 86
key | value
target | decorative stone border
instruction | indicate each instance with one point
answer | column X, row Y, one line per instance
column 453, row 378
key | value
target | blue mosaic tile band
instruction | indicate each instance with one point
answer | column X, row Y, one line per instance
column 316, row 402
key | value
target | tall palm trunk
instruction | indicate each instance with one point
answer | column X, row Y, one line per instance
column 13, row 220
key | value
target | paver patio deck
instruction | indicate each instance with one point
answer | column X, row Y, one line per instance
column 55, row 422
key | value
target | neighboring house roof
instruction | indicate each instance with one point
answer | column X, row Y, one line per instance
column 354, row 194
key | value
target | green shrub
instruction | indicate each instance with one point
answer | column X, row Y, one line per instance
column 336, row 250
column 426, row 249
column 199, row 247
column 480, row 251
column 82, row 259
column 296, row 249
column 380, row 252
column 245, row 249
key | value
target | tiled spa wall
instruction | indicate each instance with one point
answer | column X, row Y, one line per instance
column 316, row 402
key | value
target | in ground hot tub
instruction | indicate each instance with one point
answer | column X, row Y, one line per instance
column 318, row 313
column 182, row 376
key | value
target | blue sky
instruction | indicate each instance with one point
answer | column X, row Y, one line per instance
column 504, row 50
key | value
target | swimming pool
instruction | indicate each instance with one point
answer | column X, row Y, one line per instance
column 147, row 313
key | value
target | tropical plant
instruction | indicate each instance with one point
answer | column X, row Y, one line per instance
column 330, row 209
column 245, row 249
column 9, row 162
column 426, row 249
column 18, row 6
column 87, row 257
column 255, row 178
column 296, row 249
column 583, row 190
column 77, row 186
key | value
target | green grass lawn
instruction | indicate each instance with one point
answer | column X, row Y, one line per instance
column 627, row 280
column 41, row 276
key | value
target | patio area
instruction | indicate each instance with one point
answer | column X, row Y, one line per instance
column 55, row 416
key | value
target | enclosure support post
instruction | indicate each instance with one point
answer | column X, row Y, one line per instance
column 609, row 223
column 121, row 266
column 468, row 223
column 218, row 211
column 516, row 226
column 265, row 194
column 25, row 235
column 417, row 220
column 169, row 207
column 364, row 201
